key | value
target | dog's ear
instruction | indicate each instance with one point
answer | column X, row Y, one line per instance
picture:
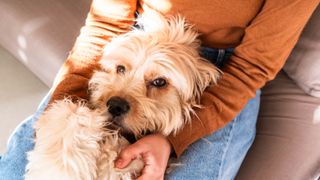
column 173, row 28
column 207, row 75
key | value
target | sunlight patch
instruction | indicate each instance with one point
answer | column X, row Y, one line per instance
column 316, row 116
column 22, row 41
column 23, row 56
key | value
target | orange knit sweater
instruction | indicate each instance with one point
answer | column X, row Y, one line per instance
column 263, row 33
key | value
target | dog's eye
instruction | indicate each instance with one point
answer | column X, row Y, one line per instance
column 159, row 82
column 121, row 69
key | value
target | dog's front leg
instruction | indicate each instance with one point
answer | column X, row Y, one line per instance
column 67, row 143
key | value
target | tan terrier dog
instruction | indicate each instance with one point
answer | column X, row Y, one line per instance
column 149, row 81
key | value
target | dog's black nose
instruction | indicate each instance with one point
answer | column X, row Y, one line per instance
column 117, row 106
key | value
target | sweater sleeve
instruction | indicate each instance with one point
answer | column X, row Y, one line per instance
column 267, row 42
column 106, row 19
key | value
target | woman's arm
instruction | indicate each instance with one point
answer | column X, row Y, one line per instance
column 267, row 43
column 106, row 19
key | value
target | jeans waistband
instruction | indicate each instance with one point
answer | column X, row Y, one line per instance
column 216, row 56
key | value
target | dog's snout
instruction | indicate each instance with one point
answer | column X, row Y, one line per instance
column 117, row 106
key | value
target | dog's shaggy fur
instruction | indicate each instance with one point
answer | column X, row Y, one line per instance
column 154, row 71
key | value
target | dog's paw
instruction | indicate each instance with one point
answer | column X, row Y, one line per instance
column 67, row 144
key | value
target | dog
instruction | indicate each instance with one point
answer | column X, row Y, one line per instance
column 149, row 80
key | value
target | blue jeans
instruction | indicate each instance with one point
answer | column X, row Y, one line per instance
column 14, row 161
column 217, row 156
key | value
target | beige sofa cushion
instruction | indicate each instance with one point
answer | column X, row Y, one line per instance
column 287, row 143
column 303, row 66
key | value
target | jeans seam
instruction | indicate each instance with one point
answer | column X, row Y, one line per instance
column 227, row 144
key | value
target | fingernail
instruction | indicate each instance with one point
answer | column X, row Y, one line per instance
column 119, row 163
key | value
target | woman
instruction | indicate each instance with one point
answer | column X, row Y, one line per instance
column 249, row 40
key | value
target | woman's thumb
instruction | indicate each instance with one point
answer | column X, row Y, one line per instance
column 126, row 156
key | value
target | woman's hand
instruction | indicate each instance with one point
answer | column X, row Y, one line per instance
column 154, row 149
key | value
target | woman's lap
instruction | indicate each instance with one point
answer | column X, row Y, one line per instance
column 217, row 156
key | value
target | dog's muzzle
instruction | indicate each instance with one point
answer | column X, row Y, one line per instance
column 117, row 106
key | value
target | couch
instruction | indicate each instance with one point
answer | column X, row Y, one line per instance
column 41, row 32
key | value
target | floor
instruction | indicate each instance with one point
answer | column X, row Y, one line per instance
column 20, row 93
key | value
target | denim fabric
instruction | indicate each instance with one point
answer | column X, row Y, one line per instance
column 216, row 56
column 13, row 162
column 217, row 156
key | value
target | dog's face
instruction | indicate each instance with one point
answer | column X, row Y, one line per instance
column 150, row 79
